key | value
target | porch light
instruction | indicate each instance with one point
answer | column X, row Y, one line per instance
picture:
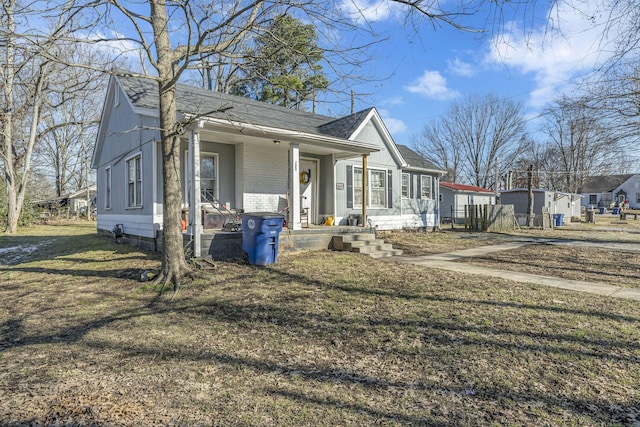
column 275, row 141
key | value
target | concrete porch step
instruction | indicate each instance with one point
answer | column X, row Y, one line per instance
column 364, row 243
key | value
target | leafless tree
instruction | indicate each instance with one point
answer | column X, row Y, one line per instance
column 476, row 136
column 25, row 78
column 579, row 143
column 68, row 127
column 436, row 142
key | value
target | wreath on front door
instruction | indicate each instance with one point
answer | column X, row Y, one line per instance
column 305, row 177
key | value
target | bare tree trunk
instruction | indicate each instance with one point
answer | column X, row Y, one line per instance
column 174, row 265
column 8, row 160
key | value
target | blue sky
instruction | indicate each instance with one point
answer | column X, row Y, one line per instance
column 419, row 71
column 532, row 63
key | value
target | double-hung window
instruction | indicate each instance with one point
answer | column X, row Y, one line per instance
column 425, row 187
column 208, row 178
column 134, row 182
column 405, row 185
column 107, row 188
column 376, row 187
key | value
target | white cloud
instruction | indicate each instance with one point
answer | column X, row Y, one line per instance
column 432, row 85
column 369, row 10
column 114, row 44
column 461, row 68
column 394, row 126
column 396, row 100
column 556, row 53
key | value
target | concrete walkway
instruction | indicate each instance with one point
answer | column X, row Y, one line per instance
column 447, row 261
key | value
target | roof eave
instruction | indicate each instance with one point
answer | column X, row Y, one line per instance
column 410, row 168
column 354, row 147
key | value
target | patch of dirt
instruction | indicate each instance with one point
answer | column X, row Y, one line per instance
column 17, row 254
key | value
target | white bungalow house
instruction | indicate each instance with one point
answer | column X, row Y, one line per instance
column 254, row 157
column 454, row 198
column 606, row 190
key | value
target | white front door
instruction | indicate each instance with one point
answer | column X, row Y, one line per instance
column 308, row 187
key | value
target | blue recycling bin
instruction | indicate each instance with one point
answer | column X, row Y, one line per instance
column 603, row 211
column 559, row 219
column 615, row 211
column 260, row 234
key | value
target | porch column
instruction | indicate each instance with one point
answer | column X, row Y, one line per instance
column 195, row 218
column 294, row 198
column 364, row 190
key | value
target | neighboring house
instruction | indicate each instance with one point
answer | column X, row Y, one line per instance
column 454, row 198
column 606, row 190
column 72, row 203
column 553, row 202
column 254, row 157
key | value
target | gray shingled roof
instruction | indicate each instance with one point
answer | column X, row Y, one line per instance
column 415, row 160
column 344, row 127
column 143, row 93
column 603, row 183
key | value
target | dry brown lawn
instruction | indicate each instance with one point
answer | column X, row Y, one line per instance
column 317, row 339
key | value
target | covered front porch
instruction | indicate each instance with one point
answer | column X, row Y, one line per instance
column 222, row 245
column 258, row 169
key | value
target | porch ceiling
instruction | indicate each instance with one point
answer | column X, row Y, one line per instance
column 308, row 143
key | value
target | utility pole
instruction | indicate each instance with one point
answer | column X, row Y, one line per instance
column 530, row 201
column 496, row 179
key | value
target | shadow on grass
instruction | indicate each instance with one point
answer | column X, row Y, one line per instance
column 322, row 327
column 248, row 316
column 341, row 405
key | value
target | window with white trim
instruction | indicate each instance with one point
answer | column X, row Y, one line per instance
column 376, row 187
column 425, row 187
column 134, row 182
column 208, row 178
column 107, row 188
column 405, row 185
column 357, row 186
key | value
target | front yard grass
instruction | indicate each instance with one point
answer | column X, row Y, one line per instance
column 319, row 338
column 589, row 264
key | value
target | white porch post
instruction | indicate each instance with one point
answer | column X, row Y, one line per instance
column 195, row 218
column 294, row 200
column 365, row 196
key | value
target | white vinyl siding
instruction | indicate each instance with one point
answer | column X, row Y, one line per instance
column 134, row 182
